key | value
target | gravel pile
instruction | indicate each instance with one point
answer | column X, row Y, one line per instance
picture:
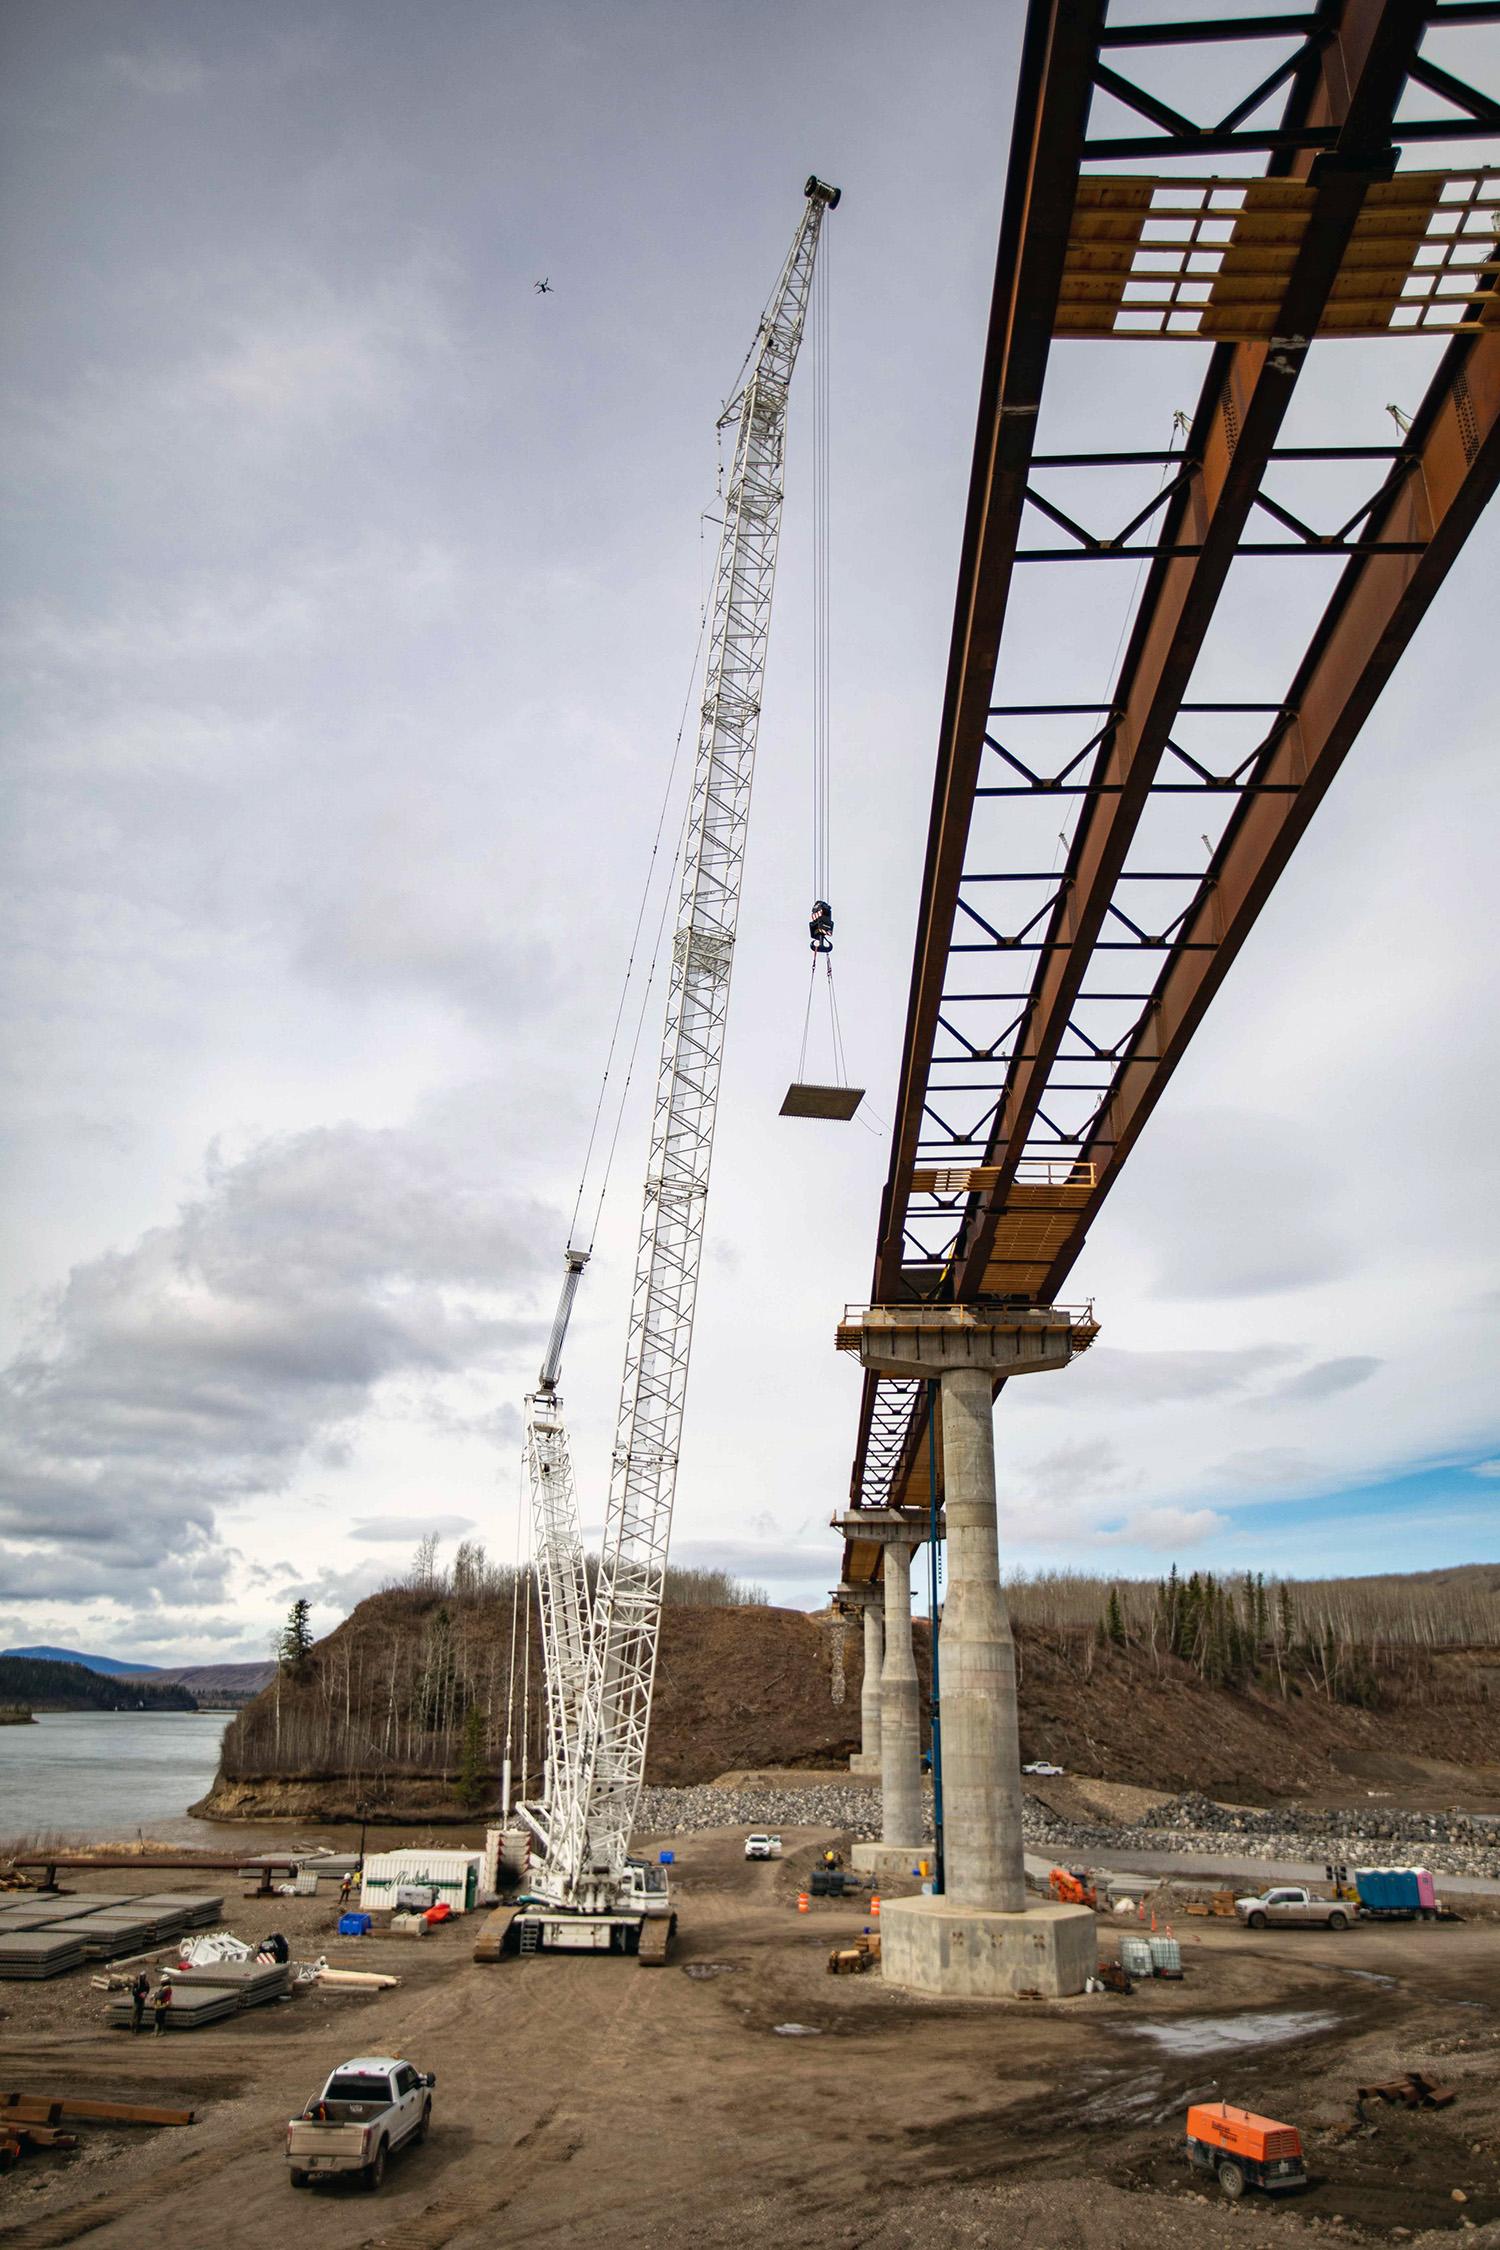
column 1448, row 1843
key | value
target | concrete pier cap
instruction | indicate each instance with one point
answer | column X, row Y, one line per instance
column 981, row 1938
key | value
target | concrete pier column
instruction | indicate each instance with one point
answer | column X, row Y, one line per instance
column 900, row 1728
column 869, row 1701
column 872, row 1691
column 981, row 1736
column 979, row 1937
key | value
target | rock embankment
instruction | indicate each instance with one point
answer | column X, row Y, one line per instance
column 1448, row 1843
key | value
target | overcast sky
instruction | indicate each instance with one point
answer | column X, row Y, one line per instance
column 350, row 594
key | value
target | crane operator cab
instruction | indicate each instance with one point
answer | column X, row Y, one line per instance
column 646, row 1887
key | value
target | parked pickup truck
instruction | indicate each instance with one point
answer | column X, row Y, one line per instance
column 369, row 2108
column 1289, row 1903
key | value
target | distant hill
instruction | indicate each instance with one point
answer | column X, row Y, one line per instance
column 111, row 1666
column 47, row 1685
column 219, row 1683
column 207, row 1683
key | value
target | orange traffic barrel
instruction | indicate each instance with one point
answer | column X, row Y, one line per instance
column 804, row 1904
column 875, row 1907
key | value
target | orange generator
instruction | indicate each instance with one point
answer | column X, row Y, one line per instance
column 1244, row 2150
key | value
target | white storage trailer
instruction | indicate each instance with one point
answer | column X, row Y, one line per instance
column 453, row 1877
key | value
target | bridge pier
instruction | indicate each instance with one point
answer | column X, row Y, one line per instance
column 981, row 1937
column 866, row 1759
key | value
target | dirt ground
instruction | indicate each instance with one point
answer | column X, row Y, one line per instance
column 587, row 2101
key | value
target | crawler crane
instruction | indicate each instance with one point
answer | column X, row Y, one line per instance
column 583, row 1891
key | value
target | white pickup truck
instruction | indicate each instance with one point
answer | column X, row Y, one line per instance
column 369, row 2108
column 761, row 1846
column 1290, row 1904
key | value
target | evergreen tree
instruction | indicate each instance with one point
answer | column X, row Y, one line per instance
column 473, row 1768
column 296, row 1638
column 1114, row 1621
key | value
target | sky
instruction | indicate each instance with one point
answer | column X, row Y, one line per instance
column 348, row 603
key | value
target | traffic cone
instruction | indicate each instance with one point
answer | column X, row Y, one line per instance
column 875, row 1907
column 804, row 1905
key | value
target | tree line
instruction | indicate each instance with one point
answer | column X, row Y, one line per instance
column 430, row 1677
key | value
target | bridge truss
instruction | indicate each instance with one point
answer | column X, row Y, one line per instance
column 1050, row 1006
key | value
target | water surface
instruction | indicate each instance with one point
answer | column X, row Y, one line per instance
column 105, row 1774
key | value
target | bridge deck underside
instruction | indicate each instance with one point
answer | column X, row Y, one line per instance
column 1093, row 868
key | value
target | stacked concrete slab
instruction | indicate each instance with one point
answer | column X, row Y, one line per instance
column 38, row 1953
column 254, row 1981
column 190, row 2009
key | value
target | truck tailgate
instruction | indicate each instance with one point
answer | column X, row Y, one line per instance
column 320, row 2147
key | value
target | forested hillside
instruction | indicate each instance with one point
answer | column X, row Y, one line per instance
column 409, row 1706
column 48, row 1686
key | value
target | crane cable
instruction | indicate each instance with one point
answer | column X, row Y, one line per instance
column 630, row 965
column 820, row 351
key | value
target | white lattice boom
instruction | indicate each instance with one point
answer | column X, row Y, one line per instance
column 594, row 1789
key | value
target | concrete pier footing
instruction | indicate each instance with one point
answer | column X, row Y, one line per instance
column 931, row 1945
column 890, row 1863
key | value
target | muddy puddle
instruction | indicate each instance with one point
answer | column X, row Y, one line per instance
column 1217, row 2035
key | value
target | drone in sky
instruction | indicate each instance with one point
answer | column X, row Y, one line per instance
column 544, row 288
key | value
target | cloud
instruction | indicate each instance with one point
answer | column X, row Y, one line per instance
column 1166, row 1529
column 209, row 1360
column 1252, row 1214
column 1110, row 1376
column 409, row 1527
column 772, row 1564
column 1328, row 1378
column 1485, row 1469
column 163, row 71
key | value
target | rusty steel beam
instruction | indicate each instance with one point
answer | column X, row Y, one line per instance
column 1248, row 389
column 1337, row 124
column 1059, row 54
column 1376, row 608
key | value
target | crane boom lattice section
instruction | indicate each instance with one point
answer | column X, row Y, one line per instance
column 593, row 1798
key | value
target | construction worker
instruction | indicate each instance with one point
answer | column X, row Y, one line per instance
column 138, row 1992
column 161, row 2005
column 832, row 1859
column 346, row 1889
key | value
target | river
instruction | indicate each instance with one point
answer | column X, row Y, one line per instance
column 103, row 1775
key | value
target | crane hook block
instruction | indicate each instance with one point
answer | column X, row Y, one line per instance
column 821, row 189
column 820, row 926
